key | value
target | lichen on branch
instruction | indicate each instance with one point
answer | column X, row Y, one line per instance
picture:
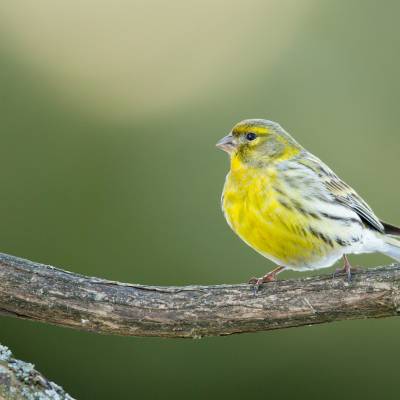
column 20, row 380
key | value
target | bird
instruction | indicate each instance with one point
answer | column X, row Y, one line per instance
column 290, row 207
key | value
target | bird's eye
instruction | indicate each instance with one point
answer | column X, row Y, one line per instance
column 251, row 136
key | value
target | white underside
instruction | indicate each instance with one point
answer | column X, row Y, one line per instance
column 371, row 243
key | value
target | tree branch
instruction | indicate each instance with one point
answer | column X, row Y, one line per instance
column 43, row 293
column 19, row 380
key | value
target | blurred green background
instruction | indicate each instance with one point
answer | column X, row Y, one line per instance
column 109, row 112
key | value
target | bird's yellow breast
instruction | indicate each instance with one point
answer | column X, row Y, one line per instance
column 252, row 207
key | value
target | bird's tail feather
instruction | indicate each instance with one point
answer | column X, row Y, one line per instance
column 392, row 247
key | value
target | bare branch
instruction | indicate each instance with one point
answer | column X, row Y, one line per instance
column 43, row 293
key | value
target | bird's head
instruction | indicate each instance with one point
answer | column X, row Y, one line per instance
column 259, row 141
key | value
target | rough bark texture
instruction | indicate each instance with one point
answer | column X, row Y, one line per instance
column 20, row 381
column 43, row 293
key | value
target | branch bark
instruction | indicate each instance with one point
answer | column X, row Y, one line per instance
column 43, row 293
column 19, row 380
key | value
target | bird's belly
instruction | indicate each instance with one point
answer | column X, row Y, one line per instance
column 282, row 235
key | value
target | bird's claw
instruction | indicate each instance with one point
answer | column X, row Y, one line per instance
column 340, row 271
column 257, row 282
column 347, row 271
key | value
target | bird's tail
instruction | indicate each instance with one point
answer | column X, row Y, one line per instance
column 392, row 247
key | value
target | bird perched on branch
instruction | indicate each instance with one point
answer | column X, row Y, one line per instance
column 293, row 209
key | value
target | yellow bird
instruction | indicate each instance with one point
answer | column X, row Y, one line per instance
column 290, row 207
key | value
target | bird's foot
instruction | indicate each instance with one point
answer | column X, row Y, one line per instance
column 347, row 269
column 270, row 277
column 341, row 271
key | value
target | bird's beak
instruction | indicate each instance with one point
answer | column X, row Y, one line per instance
column 227, row 144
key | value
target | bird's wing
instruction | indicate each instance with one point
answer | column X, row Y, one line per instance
column 391, row 229
column 344, row 194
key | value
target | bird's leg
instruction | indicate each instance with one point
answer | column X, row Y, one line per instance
column 346, row 268
column 270, row 277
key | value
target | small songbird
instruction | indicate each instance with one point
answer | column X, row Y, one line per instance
column 293, row 209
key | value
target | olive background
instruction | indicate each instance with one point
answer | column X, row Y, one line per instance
column 109, row 113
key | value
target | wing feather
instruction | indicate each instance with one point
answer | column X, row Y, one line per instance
column 344, row 194
column 391, row 229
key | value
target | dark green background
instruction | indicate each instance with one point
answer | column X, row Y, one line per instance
column 137, row 199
